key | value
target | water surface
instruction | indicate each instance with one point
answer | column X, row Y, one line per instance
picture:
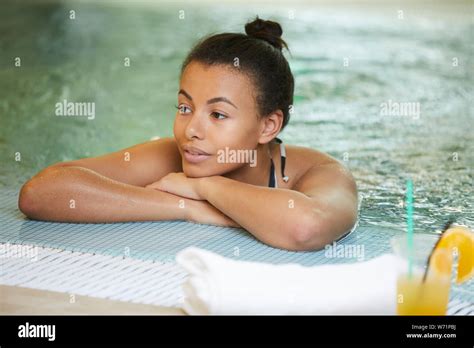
column 347, row 61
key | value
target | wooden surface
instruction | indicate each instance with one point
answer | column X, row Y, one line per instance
column 18, row 300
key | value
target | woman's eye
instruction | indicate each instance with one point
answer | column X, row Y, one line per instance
column 217, row 115
column 183, row 109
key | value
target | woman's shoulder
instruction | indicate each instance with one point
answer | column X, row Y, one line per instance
column 300, row 159
column 307, row 156
column 166, row 141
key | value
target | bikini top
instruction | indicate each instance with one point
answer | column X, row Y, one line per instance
column 272, row 182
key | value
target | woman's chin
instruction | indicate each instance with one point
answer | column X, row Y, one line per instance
column 194, row 171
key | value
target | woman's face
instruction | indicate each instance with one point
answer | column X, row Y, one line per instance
column 216, row 110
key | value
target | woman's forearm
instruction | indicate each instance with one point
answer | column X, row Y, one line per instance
column 76, row 194
column 278, row 217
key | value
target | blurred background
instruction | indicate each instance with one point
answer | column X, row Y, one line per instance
column 349, row 58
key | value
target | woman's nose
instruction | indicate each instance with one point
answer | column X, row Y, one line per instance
column 195, row 126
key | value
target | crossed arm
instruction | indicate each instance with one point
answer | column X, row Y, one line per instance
column 289, row 219
column 322, row 209
column 322, row 206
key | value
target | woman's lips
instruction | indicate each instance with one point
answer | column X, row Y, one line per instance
column 195, row 158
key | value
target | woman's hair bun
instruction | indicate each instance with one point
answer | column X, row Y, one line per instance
column 269, row 31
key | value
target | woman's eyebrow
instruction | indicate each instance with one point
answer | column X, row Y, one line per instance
column 183, row 92
column 210, row 101
column 221, row 99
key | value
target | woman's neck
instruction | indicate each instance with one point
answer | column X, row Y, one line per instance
column 259, row 174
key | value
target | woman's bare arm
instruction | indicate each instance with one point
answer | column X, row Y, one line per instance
column 112, row 188
column 322, row 207
column 76, row 194
column 138, row 165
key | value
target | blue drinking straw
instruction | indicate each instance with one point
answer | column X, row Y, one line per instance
column 409, row 204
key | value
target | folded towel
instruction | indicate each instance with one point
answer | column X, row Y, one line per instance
column 218, row 285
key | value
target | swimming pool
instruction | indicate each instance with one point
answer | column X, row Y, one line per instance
column 350, row 63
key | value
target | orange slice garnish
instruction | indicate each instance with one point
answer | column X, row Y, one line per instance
column 441, row 261
column 458, row 240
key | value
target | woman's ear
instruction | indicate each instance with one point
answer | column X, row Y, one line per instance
column 270, row 126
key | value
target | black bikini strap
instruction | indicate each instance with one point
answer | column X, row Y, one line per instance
column 283, row 159
column 271, row 180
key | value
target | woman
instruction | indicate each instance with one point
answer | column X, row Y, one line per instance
column 224, row 165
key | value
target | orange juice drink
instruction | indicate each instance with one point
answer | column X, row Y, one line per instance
column 419, row 293
column 424, row 276
column 418, row 297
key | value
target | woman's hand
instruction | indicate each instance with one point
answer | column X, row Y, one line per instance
column 197, row 209
column 178, row 184
column 205, row 213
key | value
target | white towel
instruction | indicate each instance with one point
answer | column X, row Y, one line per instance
column 218, row 285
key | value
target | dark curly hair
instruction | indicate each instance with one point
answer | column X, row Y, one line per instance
column 260, row 56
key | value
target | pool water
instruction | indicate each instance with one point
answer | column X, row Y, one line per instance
column 349, row 63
